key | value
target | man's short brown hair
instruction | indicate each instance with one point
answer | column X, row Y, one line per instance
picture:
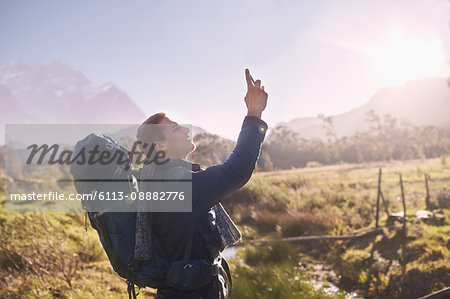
column 146, row 133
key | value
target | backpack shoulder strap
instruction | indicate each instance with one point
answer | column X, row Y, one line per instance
column 225, row 266
column 188, row 245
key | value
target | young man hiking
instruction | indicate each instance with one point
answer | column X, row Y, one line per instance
column 198, row 237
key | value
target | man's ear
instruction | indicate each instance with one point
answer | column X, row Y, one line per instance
column 160, row 146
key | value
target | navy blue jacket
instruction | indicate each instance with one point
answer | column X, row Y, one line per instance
column 209, row 187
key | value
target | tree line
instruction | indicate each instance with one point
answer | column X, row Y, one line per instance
column 387, row 139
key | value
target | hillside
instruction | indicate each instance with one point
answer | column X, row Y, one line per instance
column 424, row 102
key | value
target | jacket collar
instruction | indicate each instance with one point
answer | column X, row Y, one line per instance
column 176, row 162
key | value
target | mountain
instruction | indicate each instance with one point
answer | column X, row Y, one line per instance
column 56, row 93
column 422, row 102
column 10, row 110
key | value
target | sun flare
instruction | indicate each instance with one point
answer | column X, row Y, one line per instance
column 402, row 58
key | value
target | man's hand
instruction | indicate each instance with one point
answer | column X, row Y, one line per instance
column 256, row 98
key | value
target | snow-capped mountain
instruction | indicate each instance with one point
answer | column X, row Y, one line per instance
column 56, row 93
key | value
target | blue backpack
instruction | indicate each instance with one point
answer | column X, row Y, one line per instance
column 116, row 230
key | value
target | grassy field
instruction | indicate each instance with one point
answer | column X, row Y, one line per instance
column 50, row 254
column 339, row 200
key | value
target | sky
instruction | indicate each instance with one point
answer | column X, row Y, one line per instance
column 187, row 58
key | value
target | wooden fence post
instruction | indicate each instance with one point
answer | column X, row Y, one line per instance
column 403, row 200
column 427, row 198
column 378, row 198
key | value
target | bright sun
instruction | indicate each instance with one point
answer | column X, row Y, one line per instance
column 402, row 58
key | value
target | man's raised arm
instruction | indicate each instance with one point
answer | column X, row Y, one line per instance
column 218, row 181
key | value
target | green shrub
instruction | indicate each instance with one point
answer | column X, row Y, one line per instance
column 306, row 223
column 351, row 265
column 418, row 282
column 267, row 222
column 273, row 252
column 269, row 280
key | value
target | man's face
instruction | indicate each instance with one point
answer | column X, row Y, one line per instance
column 177, row 142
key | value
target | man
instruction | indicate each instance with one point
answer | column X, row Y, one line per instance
column 198, row 231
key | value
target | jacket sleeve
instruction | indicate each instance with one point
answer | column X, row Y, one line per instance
column 218, row 181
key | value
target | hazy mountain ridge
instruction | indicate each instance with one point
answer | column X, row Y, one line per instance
column 56, row 93
column 422, row 102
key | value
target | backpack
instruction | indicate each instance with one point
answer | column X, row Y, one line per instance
column 116, row 230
